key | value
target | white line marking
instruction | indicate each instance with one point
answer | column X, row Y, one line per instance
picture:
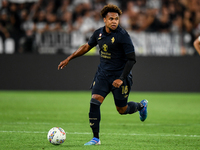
column 117, row 124
column 118, row 134
column 23, row 132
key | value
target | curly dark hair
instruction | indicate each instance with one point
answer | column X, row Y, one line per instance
column 110, row 8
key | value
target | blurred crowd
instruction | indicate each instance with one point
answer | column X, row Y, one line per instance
column 22, row 20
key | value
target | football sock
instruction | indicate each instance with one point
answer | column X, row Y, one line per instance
column 96, row 134
column 95, row 116
column 133, row 107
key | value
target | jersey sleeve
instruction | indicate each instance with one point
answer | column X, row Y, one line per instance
column 127, row 44
column 93, row 39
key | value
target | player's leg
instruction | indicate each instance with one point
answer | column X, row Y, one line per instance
column 100, row 89
column 121, row 97
column 127, row 108
column 94, row 114
column 94, row 118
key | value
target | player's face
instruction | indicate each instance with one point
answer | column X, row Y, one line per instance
column 111, row 21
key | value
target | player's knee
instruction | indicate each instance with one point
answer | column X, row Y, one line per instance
column 121, row 110
column 98, row 97
column 95, row 102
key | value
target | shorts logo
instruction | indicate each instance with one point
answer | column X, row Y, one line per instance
column 125, row 96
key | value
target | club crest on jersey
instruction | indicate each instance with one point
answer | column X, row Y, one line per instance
column 105, row 47
column 113, row 40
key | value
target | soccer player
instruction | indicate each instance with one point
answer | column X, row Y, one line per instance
column 117, row 57
column 197, row 44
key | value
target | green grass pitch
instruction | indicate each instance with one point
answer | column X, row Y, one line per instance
column 173, row 121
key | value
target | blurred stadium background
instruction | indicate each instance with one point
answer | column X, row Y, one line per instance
column 35, row 35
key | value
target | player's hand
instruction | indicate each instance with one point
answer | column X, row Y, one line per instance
column 117, row 83
column 63, row 64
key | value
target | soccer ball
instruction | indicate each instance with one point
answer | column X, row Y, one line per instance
column 56, row 136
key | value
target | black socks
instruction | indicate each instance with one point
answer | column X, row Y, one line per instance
column 95, row 116
column 133, row 107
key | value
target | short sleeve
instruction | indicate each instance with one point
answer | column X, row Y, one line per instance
column 93, row 40
column 127, row 44
column 199, row 38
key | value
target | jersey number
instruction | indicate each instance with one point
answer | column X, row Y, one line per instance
column 124, row 89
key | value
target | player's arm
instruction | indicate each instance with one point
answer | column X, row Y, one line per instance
column 129, row 65
column 79, row 52
column 197, row 45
